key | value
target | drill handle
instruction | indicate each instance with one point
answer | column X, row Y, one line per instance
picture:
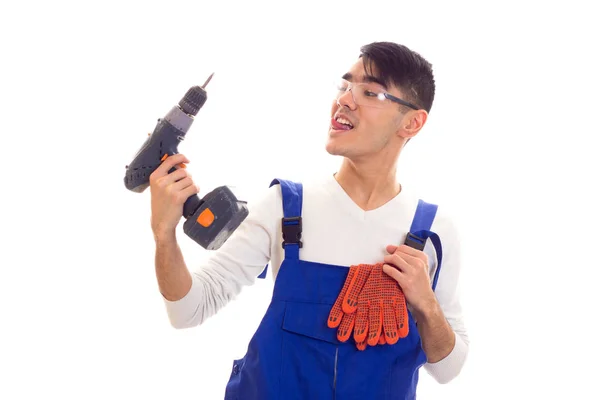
column 191, row 205
column 193, row 202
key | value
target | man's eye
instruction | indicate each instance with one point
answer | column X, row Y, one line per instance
column 369, row 93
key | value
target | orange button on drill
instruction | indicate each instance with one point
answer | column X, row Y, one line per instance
column 206, row 218
column 182, row 165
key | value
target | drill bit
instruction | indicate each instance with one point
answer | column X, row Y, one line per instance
column 208, row 80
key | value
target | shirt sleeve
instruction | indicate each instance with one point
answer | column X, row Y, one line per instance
column 448, row 295
column 235, row 264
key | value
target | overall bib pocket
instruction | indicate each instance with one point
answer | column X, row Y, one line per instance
column 309, row 352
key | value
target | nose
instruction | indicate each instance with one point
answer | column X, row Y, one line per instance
column 347, row 100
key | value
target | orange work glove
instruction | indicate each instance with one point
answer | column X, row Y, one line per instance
column 369, row 317
column 382, row 315
column 395, row 310
column 363, row 345
column 342, row 315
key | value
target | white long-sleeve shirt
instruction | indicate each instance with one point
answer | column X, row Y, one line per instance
column 334, row 231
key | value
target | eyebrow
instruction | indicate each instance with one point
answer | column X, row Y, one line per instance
column 368, row 78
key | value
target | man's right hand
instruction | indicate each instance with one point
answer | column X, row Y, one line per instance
column 168, row 194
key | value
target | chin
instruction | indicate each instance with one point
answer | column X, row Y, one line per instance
column 333, row 148
column 334, row 143
column 330, row 147
column 332, row 152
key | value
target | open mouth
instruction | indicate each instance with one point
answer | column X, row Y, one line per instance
column 341, row 124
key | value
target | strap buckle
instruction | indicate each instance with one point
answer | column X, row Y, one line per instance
column 414, row 241
column 292, row 231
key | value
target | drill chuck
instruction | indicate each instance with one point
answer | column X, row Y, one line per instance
column 194, row 99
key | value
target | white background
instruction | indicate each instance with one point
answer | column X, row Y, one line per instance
column 510, row 145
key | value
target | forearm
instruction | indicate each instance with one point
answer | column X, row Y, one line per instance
column 437, row 337
column 192, row 295
column 173, row 276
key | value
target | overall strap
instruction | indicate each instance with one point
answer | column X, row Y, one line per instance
column 291, row 223
column 420, row 231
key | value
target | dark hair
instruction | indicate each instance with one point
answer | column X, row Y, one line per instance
column 404, row 68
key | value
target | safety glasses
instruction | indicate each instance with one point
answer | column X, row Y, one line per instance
column 368, row 94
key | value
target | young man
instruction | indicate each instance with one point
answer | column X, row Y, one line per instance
column 359, row 215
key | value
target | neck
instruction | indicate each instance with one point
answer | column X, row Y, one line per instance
column 370, row 184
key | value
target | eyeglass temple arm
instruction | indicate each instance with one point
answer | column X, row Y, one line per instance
column 400, row 101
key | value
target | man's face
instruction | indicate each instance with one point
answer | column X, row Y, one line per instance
column 371, row 128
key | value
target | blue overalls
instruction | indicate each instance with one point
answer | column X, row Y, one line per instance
column 294, row 355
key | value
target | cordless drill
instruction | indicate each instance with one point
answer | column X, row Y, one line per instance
column 210, row 221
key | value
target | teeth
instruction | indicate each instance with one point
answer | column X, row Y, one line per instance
column 343, row 121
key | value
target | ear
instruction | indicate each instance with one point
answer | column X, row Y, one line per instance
column 411, row 123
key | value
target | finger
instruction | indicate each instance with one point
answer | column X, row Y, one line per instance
column 394, row 273
column 189, row 191
column 411, row 251
column 391, row 248
column 174, row 176
column 413, row 263
column 179, row 195
column 410, row 260
column 407, row 250
column 396, row 261
column 168, row 163
column 345, row 329
column 181, row 165
column 355, row 287
column 181, row 184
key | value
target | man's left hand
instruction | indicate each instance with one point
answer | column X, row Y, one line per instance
column 410, row 268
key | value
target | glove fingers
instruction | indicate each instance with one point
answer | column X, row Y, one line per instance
column 373, row 291
column 356, row 284
column 362, row 323
column 381, row 339
column 390, row 327
column 401, row 315
column 336, row 313
column 345, row 329
column 361, row 345
column 335, row 316
column 375, row 321
column 390, row 294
